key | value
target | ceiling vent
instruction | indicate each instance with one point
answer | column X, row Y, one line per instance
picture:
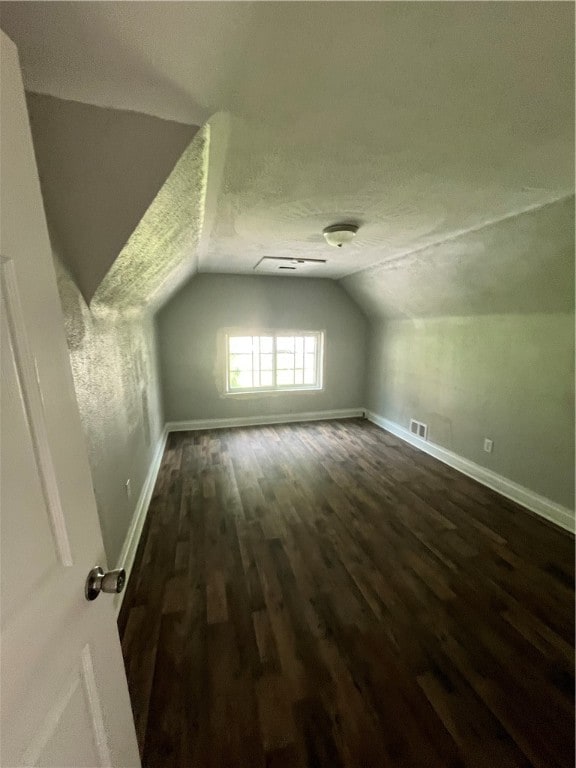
column 283, row 265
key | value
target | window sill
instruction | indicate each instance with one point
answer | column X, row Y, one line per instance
column 245, row 393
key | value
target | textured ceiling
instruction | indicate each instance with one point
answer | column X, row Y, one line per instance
column 523, row 264
column 421, row 121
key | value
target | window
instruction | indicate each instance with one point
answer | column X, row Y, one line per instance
column 274, row 362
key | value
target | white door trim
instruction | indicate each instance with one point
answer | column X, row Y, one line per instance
column 33, row 407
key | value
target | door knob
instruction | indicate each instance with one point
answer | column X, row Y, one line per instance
column 99, row 581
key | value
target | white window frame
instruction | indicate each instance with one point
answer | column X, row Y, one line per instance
column 275, row 334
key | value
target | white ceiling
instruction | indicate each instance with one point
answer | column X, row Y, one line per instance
column 419, row 121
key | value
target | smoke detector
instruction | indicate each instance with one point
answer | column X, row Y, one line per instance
column 339, row 234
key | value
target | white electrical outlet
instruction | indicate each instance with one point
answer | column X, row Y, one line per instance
column 488, row 444
column 128, row 488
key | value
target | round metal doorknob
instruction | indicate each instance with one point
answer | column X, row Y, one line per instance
column 100, row 581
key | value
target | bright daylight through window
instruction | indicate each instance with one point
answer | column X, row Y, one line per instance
column 274, row 362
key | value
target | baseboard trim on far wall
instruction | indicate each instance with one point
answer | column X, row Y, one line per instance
column 542, row 506
column 126, row 559
column 254, row 421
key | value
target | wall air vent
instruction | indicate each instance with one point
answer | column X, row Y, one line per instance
column 419, row 429
column 270, row 265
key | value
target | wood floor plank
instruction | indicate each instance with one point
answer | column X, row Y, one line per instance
column 323, row 594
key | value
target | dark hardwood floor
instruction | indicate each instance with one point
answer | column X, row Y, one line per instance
column 323, row 594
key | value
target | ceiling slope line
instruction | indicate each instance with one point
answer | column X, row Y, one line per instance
column 377, row 266
column 219, row 126
column 83, row 103
column 161, row 252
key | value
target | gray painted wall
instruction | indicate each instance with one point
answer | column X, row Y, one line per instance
column 188, row 338
column 113, row 357
column 506, row 377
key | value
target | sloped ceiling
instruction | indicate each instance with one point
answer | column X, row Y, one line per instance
column 441, row 128
column 161, row 253
column 523, row 264
column 100, row 169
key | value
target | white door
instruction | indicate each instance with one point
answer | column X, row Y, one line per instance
column 63, row 696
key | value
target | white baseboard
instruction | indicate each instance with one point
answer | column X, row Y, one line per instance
column 542, row 506
column 126, row 559
column 252, row 421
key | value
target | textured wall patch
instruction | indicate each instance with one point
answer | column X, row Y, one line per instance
column 113, row 359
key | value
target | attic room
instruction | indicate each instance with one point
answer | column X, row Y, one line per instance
column 287, row 447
